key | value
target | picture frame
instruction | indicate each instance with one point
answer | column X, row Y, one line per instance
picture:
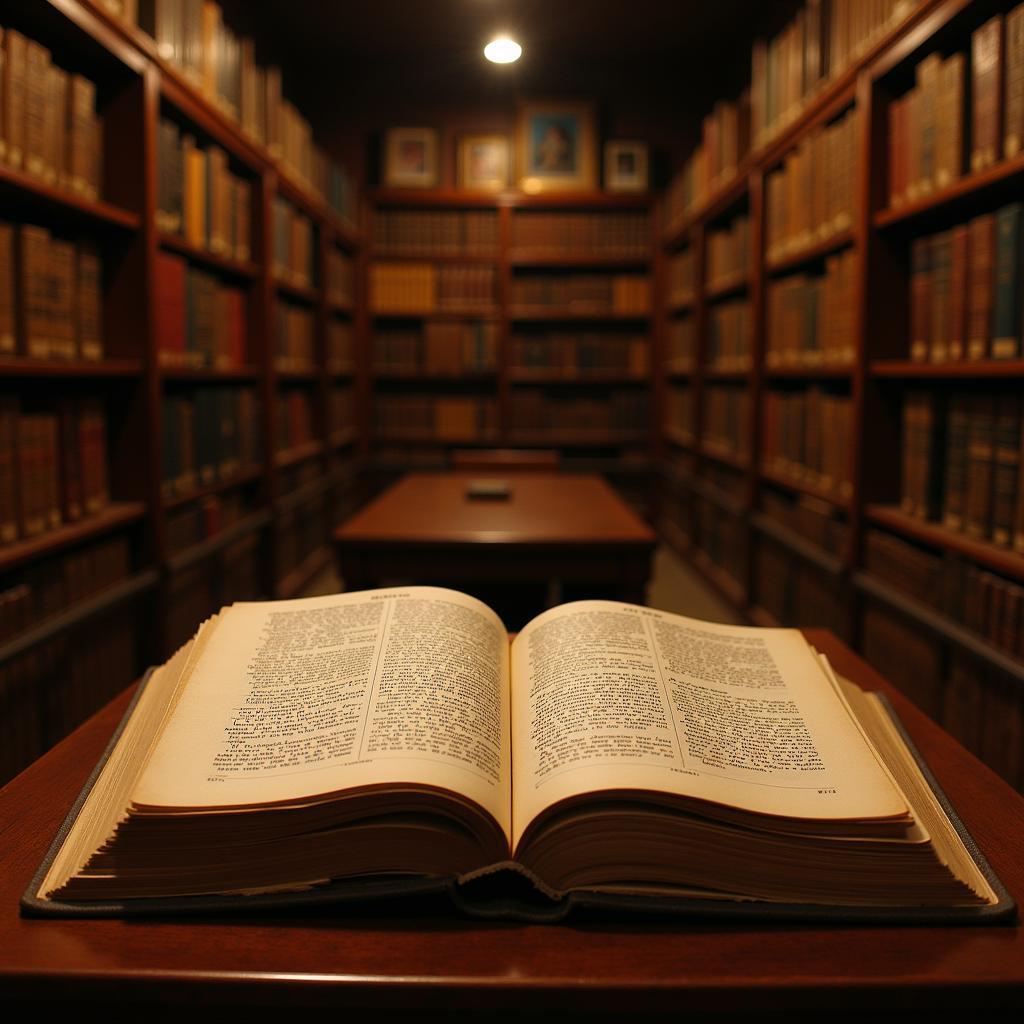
column 410, row 158
column 556, row 146
column 626, row 166
column 483, row 163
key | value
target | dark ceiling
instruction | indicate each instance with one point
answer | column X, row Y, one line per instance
column 570, row 46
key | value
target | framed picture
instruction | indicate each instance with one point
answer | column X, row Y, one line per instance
column 483, row 162
column 625, row 166
column 556, row 147
column 410, row 158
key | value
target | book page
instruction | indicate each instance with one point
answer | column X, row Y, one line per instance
column 294, row 699
column 613, row 696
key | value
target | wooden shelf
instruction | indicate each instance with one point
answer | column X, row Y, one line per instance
column 426, row 378
column 719, row 498
column 525, row 375
column 248, row 476
column 1001, row 180
column 681, row 543
column 341, row 306
column 545, row 258
column 940, row 625
column 212, row 546
column 726, row 458
column 302, row 292
column 425, row 256
column 557, row 315
column 723, row 200
column 296, row 376
column 300, row 454
column 681, row 438
column 117, row 516
column 796, row 544
column 16, row 366
column 343, row 438
column 488, row 313
column 803, row 487
column 423, row 440
column 729, row 587
column 211, row 374
column 836, row 372
column 810, row 254
column 736, row 284
column 681, row 368
column 721, row 373
column 676, row 306
column 576, row 438
column 302, row 575
column 80, row 613
column 243, row 269
column 1002, row 560
column 906, row 369
column 34, row 196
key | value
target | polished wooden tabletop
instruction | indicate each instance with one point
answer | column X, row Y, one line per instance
column 393, row 958
column 541, row 509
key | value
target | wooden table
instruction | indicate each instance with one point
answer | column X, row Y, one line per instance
column 573, row 529
column 389, row 960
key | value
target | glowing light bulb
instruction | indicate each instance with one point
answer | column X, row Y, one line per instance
column 503, row 50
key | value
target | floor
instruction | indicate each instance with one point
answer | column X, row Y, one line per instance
column 675, row 587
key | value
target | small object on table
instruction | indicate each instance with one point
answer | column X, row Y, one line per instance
column 482, row 489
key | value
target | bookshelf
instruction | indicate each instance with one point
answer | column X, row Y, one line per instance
column 511, row 321
column 882, row 492
column 180, row 422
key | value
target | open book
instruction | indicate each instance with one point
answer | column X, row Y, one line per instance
column 369, row 741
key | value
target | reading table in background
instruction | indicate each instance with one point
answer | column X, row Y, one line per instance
column 395, row 958
column 552, row 527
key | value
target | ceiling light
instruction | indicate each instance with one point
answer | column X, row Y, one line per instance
column 502, row 50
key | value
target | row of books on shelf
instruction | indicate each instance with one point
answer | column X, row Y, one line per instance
column 199, row 198
column 724, row 143
column 728, row 252
column 808, row 517
column 614, row 411
column 53, row 465
column 965, row 290
column 442, row 419
column 986, row 603
column 682, row 344
column 726, row 426
column 299, row 535
column 423, row 288
column 200, row 321
column 294, row 337
column 193, row 36
column 341, row 412
column 196, row 521
column 51, row 295
column 811, row 197
column 791, row 589
column 728, row 341
column 50, row 128
column 53, row 687
column 296, row 419
column 678, row 416
column 786, row 72
column 959, row 117
column 682, row 277
column 607, row 234
column 294, row 256
column 810, row 317
column 625, row 294
column 961, row 460
column 210, row 435
column 340, row 276
column 340, row 354
column 806, row 438
column 439, row 348
column 824, row 38
column 577, row 354
column 435, row 232
column 32, row 594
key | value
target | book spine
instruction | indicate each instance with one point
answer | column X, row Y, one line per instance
column 1013, row 135
column 920, row 298
column 1006, row 468
column 1006, row 313
column 958, row 299
column 981, row 282
column 986, row 67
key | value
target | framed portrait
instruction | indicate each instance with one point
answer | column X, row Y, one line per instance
column 556, row 147
column 410, row 158
column 483, row 163
column 625, row 166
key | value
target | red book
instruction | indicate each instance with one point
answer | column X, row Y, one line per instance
column 170, row 309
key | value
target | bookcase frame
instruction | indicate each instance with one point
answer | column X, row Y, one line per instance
column 140, row 88
column 878, row 377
